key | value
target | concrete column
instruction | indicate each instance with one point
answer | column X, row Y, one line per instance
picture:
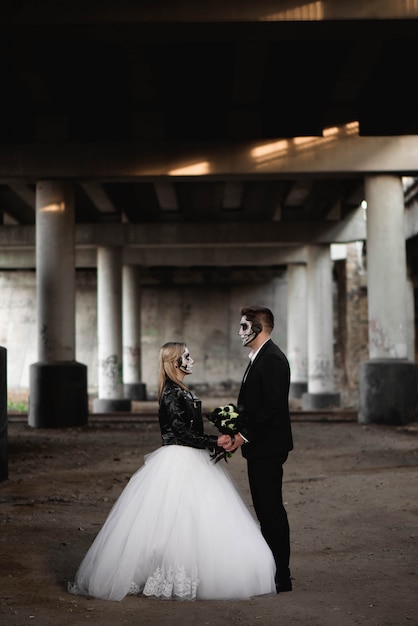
column 58, row 385
column 133, row 388
column 109, row 320
column 297, row 323
column 388, row 381
column 4, row 463
column 410, row 319
column 320, row 331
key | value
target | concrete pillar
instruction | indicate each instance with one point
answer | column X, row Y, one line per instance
column 4, row 468
column 410, row 319
column 388, row 380
column 109, row 320
column 297, row 323
column 58, row 384
column 320, row 392
column 133, row 388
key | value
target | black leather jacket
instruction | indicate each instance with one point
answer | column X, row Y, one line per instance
column 181, row 422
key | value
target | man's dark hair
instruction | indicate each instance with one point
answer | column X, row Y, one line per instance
column 260, row 315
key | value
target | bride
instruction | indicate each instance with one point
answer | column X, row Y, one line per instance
column 179, row 529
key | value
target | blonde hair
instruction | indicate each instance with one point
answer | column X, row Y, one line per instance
column 170, row 353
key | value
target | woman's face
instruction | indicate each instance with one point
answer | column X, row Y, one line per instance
column 186, row 362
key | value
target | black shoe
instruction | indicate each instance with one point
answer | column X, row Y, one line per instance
column 283, row 584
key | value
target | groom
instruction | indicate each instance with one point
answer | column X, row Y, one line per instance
column 266, row 435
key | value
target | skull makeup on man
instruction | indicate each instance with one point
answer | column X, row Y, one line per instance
column 248, row 330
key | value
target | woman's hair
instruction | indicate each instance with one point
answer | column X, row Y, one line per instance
column 170, row 354
column 260, row 315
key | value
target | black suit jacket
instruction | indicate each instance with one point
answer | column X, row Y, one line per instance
column 264, row 404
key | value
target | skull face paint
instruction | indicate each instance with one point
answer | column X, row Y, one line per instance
column 246, row 331
column 186, row 362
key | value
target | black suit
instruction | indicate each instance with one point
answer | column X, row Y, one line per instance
column 264, row 403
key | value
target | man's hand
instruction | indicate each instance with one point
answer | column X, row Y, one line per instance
column 234, row 445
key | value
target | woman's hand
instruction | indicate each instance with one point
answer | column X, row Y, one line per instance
column 224, row 441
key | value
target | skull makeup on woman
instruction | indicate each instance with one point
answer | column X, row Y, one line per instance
column 185, row 362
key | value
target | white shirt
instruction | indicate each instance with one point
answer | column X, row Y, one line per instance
column 253, row 354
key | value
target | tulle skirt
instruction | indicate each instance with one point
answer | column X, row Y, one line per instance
column 179, row 529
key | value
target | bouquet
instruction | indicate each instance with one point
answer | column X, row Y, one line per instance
column 226, row 420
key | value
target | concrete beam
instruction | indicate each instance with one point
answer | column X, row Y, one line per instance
column 340, row 152
column 100, row 198
column 25, row 193
column 17, row 236
column 24, row 259
column 254, row 234
column 216, row 235
column 166, row 195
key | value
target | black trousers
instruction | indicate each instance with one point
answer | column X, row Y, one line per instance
column 265, row 476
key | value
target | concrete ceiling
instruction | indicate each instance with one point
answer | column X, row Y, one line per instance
column 90, row 89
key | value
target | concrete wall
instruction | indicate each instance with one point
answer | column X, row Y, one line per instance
column 350, row 322
column 18, row 325
column 198, row 306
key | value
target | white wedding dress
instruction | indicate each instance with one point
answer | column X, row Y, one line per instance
column 181, row 530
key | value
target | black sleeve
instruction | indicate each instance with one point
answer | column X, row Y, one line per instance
column 181, row 424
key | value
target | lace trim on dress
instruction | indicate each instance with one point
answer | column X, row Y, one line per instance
column 134, row 589
column 172, row 583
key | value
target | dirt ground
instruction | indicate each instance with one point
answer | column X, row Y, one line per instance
column 351, row 496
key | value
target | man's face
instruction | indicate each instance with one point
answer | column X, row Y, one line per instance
column 186, row 365
column 246, row 331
